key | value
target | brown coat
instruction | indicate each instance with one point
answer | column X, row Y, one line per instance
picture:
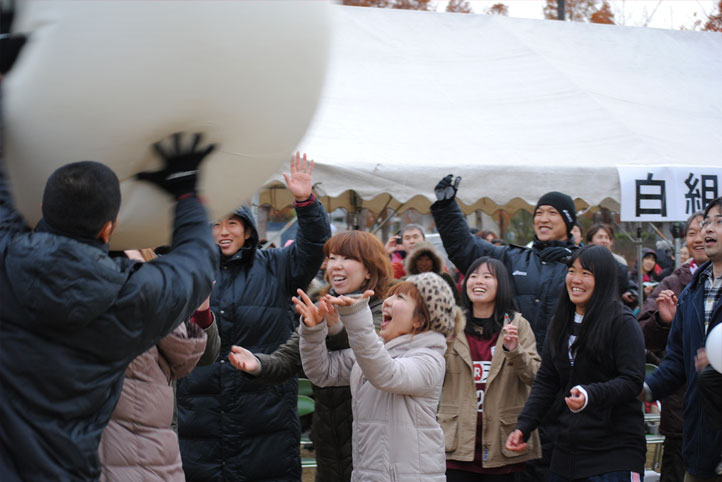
column 138, row 443
column 656, row 333
column 507, row 389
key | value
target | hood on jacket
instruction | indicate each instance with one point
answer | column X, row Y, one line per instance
column 59, row 280
column 248, row 250
column 423, row 248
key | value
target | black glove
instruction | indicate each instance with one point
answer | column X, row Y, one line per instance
column 445, row 190
column 10, row 45
column 180, row 174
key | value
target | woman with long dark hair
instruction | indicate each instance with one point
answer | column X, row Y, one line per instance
column 594, row 360
column 490, row 366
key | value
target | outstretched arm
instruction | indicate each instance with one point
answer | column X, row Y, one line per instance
column 322, row 367
column 462, row 247
column 303, row 258
column 418, row 373
column 10, row 220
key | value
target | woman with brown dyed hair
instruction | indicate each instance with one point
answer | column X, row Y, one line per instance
column 356, row 261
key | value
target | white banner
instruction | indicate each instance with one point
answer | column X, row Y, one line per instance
column 656, row 193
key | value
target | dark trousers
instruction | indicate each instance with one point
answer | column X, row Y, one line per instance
column 463, row 476
column 672, row 462
column 608, row 477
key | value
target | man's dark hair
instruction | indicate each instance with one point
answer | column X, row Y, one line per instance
column 80, row 198
column 715, row 202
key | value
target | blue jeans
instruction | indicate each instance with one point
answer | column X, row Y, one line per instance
column 608, row 477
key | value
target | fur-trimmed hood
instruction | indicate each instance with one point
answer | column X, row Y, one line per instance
column 421, row 249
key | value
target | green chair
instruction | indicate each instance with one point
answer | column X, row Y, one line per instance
column 304, row 387
column 305, row 405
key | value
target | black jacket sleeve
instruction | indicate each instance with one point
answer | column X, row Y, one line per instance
column 10, row 220
column 172, row 287
column 461, row 246
column 303, row 258
column 545, row 388
column 628, row 346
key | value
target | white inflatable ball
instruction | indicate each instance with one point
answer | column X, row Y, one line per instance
column 713, row 347
column 102, row 81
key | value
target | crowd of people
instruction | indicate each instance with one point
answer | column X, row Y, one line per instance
column 528, row 366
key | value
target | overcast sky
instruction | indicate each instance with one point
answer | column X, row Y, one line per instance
column 633, row 13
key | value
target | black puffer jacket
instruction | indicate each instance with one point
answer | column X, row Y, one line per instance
column 229, row 427
column 71, row 320
column 537, row 284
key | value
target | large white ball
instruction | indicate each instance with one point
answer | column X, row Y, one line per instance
column 103, row 80
column 713, row 347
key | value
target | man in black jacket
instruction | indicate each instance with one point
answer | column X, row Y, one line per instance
column 229, row 427
column 72, row 318
column 537, row 273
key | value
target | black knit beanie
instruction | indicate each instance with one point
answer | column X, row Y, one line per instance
column 562, row 203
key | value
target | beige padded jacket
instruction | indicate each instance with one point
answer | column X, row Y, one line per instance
column 507, row 389
column 395, row 389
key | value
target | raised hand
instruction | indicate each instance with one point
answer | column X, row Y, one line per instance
column 243, row 360
column 446, row 189
column 667, row 305
column 179, row 176
column 299, row 181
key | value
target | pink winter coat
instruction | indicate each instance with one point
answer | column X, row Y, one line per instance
column 138, row 443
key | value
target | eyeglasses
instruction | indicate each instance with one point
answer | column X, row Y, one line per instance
column 709, row 222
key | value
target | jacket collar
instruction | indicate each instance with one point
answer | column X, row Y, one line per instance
column 43, row 227
column 427, row 339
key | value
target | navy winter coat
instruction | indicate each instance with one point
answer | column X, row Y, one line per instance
column 229, row 427
column 537, row 284
column 71, row 320
column 701, row 441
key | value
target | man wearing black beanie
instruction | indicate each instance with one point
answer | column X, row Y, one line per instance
column 538, row 273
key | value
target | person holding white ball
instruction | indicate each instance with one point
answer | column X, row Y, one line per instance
column 698, row 311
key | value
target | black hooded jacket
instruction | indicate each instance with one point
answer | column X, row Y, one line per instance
column 229, row 427
column 71, row 320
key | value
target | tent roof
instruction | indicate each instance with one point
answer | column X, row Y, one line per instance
column 516, row 107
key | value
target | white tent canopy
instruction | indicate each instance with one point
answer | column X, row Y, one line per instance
column 516, row 107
